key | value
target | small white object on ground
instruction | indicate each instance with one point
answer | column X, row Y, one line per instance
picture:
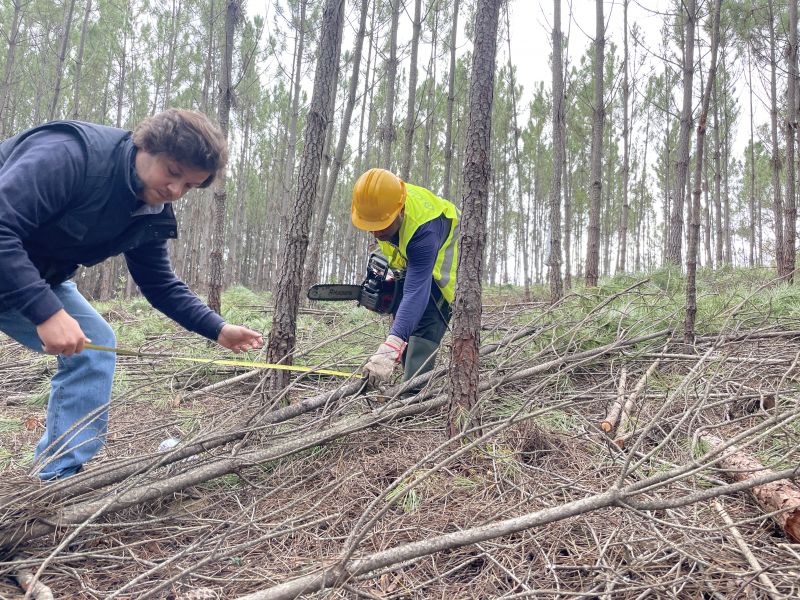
column 168, row 444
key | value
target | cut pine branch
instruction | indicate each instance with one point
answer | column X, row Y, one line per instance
column 781, row 499
column 746, row 551
column 627, row 409
column 610, row 422
column 29, row 525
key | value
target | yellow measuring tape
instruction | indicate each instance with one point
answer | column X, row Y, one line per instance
column 220, row 361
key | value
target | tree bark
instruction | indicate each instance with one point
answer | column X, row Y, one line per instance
column 719, row 240
column 388, row 132
column 8, row 69
column 776, row 496
column 312, row 264
column 232, row 15
column 751, row 199
column 523, row 226
column 554, row 258
column 451, row 98
column 411, row 111
column 675, row 239
column 626, row 144
column 790, row 207
column 463, row 369
column 777, row 200
column 282, row 336
column 694, row 232
column 62, row 56
column 431, row 99
column 291, row 138
column 76, row 98
column 598, row 118
column 175, row 16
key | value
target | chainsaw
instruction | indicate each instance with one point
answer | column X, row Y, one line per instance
column 380, row 291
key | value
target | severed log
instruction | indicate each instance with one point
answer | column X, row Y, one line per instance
column 780, row 498
column 26, row 527
column 33, row 589
column 608, row 424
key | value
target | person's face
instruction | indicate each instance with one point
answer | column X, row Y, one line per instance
column 384, row 235
column 165, row 179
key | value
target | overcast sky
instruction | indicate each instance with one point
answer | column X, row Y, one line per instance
column 531, row 23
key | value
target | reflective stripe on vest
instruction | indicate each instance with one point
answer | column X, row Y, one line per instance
column 421, row 207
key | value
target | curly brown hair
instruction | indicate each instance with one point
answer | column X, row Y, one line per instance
column 187, row 136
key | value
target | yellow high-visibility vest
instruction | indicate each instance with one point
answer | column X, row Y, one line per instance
column 422, row 206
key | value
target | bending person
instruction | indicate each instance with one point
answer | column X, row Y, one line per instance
column 74, row 193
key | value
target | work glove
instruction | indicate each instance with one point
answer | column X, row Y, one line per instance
column 380, row 366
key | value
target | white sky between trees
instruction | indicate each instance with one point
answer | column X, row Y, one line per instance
column 531, row 24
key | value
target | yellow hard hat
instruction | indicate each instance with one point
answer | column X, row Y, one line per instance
column 378, row 197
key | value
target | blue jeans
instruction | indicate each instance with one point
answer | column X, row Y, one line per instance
column 77, row 412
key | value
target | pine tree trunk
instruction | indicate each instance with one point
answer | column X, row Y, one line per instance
column 640, row 217
column 232, row 15
column 62, row 56
column 233, row 266
column 451, row 98
column 675, row 240
column 719, row 236
column 123, row 69
column 388, row 131
column 665, row 185
column 598, row 118
column 463, row 369
column 751, row 200
column 431, row 100
column 554, row 256
column 287, row 292
column 707, row 219
column 172, row 51
column 312, row 263
column 567, row 205
column 777, row 200
column 411, row 111
column 622, row 240
column 76, row 98
column 694, row 231
column 208, row 64
column 8, row 69
column 291, row 136
column 522, row 235
column 790, row 207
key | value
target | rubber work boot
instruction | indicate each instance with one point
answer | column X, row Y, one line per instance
column 420, row 358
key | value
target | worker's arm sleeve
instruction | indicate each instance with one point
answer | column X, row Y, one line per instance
column 421, row 252
column 37, row 183
column 150, row 268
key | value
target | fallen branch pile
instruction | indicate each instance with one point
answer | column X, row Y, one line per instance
column 364, row 492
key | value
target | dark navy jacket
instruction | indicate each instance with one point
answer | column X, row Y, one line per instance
column 67, row 198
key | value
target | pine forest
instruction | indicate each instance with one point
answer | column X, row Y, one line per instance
column 610, row 407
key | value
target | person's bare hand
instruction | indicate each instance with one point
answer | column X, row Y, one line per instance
column 239, row 339
column 61, row 334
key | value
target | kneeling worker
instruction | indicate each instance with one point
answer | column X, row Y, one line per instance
column 418, row 232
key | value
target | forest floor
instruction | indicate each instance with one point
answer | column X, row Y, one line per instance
column 282, row 487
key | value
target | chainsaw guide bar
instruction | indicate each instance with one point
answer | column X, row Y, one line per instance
column 334, row 291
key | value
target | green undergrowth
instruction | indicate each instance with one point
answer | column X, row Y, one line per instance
column 727, row 300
